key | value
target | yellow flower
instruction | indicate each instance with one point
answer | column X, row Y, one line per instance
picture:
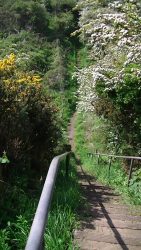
column 21, row 80
column 8, row 63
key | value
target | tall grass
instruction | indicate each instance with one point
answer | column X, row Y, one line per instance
column 62, row 217
column 90, row 134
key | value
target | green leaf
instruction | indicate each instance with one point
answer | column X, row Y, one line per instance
column 4, row 160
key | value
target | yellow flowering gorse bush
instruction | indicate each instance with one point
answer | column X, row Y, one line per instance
column 8, row 71
column 27, row 126
column 7, row 64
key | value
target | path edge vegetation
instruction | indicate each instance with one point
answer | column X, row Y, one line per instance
column 48, row 57
column 62, row 218
column 91, row 135
column 53, row 55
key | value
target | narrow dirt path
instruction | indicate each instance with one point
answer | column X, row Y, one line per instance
column 71, row 131
column 106, row 222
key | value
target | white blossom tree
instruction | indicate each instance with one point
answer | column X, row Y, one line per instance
column 111, row 30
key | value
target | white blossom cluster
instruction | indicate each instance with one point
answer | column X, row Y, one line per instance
column 116, row 5
column 134, row 55
column 86, row 90
column 113, row 36
column 105, row 28
column 88, row 78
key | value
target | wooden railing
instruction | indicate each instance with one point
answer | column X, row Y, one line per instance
column 36, row 237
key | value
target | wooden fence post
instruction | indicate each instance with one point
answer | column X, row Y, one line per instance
column 130, row 171
column 98, row 159
column 110, row 162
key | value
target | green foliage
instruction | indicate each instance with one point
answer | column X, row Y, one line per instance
column 7, row 20
column 43, row 17
column 4, row 158
column 35, row 114
column 110, row 83
column 97, row 139
column 135, row 184
column 63, row 213
column 25, row 15
column 56, row 74
column 60, row 236
column 83, row 60
column 18, row 232
column 62, row 4
column 125, row 105
column 61, row 18
column 4, row 237
column 19, row 200
column 29, row 112
column 61, row 24
column 31, row 14
column 22, row 205
column 33, row 52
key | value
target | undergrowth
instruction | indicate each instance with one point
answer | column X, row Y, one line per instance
column 90, row 134
column 62, row 218
column 20, row 207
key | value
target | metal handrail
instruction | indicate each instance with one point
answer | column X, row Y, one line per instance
column 36, row 236
column 117, row 156
column 132, row 158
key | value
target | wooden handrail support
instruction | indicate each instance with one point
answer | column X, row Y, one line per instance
column 36, row 236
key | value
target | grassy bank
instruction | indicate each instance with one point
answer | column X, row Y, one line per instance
column 90, row 135
column 22, row 203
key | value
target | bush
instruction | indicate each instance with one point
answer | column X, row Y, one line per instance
column 32, row 51
column 30, row 15
column 28, row 126
column 4, row 239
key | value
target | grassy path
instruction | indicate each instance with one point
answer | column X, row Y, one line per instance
column 71, row 131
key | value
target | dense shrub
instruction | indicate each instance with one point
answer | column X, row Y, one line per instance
column 32, row 51
column 31, row 15
column 28, row 127
column 110, row 84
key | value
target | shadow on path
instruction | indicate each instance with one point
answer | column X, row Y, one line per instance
column 96, row 199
